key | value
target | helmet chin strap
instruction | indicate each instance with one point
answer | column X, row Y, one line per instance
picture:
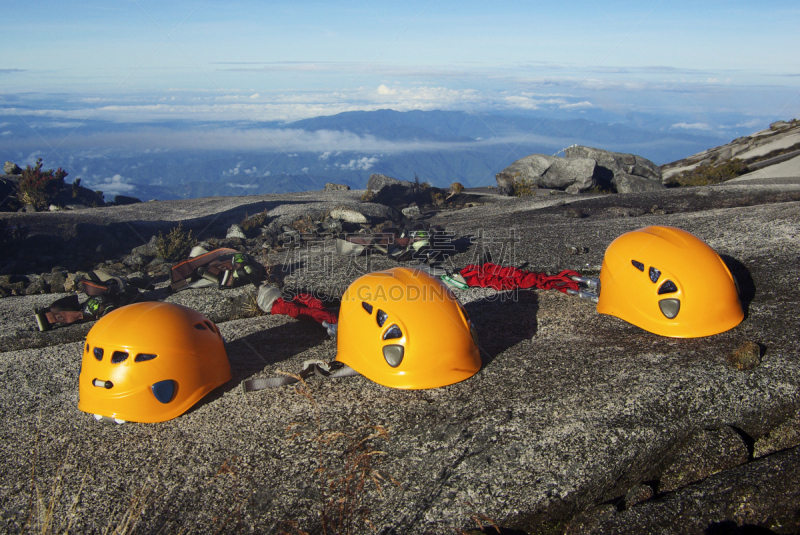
column 310, row 367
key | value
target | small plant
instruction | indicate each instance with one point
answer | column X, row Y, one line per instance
column 437, row 198
column 707, row 174
column 346, row 468
column 251, row 308
column 249, row 223
column 599, row 189
column 174, row 245
column 40, row 188
column 456, row 188
column 368, row 196
column 524, row 188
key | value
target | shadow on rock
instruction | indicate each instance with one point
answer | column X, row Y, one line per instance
column 729, row 527
column 250, row 354
column 503, row 320
column 747, row 288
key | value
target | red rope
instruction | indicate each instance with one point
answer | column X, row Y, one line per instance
column 510, row 278
column 304, row 306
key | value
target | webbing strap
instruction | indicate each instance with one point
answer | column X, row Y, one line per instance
column 313, row 367
column 65, row 310
column 102, row 283
column 184, row 270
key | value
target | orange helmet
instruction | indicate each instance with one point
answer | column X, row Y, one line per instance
column 669, row 282
column 150, row 362
column 404, row 329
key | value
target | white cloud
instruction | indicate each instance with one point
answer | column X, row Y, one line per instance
column 255, row 96
column 325, row 155
column 6, row 133
column 234, row 171
column 244, row 186
column 115, row 185
column 692, row 126
column 361, row 164
column 287, row 141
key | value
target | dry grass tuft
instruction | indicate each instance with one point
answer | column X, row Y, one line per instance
column 175, row 245
column 347, row 472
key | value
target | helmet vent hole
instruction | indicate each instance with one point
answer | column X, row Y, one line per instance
column 200, row 327
column 638, row 265
column 381, row 317
column 392, row 333
column 393, row 355
column 144, row 357
column 654, row 274
column 98, row 353
column 87, row 348
column 670, row 307
column 210, row 326
column 668, row 287
column 367, row 307
column 118, row 356
column 164, row 390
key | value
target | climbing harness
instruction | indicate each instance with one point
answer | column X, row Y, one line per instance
column 105, row 293
column 420, row 241
column 223, row 268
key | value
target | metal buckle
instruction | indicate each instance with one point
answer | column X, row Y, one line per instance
column 589, row 289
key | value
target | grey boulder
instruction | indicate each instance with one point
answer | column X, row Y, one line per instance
column 617, row 163
column 376, row 182
column 572, row 175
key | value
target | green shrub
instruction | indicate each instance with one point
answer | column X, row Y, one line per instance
column 524, row 188
column 249, row 223
column 174, row 245
column 40, row 188
column 707, row 174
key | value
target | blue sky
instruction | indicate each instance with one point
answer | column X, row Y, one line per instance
column 704, row 66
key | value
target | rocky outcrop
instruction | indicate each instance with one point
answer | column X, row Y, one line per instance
column 377, row 181
column 121, row 200
column 573, row 175
column 70, row 196
column 775, row 145
column 576, row 419
column 581, row 169
column 10, row 168
column 330, row 186
column 626, row 173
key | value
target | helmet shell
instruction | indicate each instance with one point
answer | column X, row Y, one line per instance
column 402, row 328
column 150, row 362
column 669, row 282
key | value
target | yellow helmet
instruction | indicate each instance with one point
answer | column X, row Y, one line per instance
column 150, row 362
column 404, row 329
column 669, row 282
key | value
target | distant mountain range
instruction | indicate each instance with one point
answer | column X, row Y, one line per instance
column 440, row 147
